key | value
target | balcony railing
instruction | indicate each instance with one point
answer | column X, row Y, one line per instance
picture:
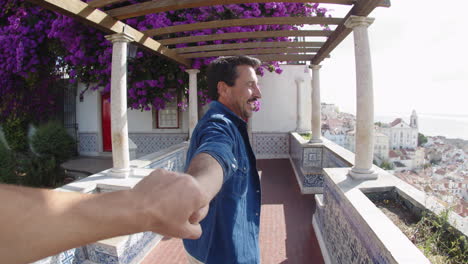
column 349, row 227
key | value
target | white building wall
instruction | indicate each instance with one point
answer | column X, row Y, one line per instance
column 88, row 115
column 278, row 112
column 381, row 146
column 329, row 110
column 402, row 136
column 339, row 139
column 142, row 122
column 88, row 111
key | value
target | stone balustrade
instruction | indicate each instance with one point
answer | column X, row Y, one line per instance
column 349, row 227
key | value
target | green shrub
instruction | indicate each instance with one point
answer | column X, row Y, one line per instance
column 52, row 140
column 39, row 171
column 440, row 242
column 16, row 134
column 7, row 165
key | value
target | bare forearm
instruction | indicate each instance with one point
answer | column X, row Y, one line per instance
column 207, row 172
column 36, row 223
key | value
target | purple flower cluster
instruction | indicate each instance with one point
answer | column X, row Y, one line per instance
column 257, row 105
column 38, row 47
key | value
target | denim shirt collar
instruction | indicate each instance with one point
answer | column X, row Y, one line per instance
column 219, row 107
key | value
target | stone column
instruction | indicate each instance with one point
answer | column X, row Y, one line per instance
column 316, row 111
column 362, row 168
column 119, row 124
column 193, row 100
column 301, row 95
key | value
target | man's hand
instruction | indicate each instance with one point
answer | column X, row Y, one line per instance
column 170, row 203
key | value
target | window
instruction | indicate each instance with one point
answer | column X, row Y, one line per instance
column 167, row 117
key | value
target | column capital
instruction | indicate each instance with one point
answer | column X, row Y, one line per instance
column 358, row 21
column 119, row 37
column 315, row 67
column 192, row 71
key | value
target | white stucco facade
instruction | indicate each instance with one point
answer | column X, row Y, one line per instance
column 339, row 138
column 140, row 123
column 278, row 115
column 401, row 135
column 329, row 110
column 88, row 115
column 88, row 111
column 278, row 112
column 381, row 144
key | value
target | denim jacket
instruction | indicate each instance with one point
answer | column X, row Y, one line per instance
column 231, row 227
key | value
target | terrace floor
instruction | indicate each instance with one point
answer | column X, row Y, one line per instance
column 286, row 233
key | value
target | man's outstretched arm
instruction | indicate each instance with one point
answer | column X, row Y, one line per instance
column 209, row 175
column 36, row 223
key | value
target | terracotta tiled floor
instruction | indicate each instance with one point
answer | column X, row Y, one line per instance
column 286, row 233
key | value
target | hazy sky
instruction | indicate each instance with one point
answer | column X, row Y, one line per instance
column 419, row 51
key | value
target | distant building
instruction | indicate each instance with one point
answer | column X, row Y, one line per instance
column 329, row 110
column 336, row 136
column 381, row 146
column 407, row 159
column 400, row 134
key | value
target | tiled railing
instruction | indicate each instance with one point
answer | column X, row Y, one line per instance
column 124, row 249
column 309, row 159
column 349, row 227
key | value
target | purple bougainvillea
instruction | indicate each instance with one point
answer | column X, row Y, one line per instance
column 38, row 47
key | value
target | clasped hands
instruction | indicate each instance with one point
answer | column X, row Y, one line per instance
column 170, row 203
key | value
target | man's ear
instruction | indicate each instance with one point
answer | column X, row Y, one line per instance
column 222, row 89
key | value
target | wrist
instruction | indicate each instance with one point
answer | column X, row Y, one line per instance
column 132, row 212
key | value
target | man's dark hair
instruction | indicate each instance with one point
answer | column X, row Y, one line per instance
column 223, row 69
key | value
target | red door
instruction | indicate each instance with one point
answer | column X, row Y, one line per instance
column 106, row 122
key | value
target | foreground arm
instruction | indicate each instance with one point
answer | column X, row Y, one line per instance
column 35, row 223
column 208, row 173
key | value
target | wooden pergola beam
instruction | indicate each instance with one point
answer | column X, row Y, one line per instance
column 247, row 35
column 244, row 22
column 258, row 44
column 361, row 8
column 151, row 7
column 268, row 58
column 101, row 3
column 280, row 51
column 102, row 21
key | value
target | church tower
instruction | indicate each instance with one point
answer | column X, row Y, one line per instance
column 414, row 120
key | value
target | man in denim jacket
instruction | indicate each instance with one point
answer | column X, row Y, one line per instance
column 222, row 161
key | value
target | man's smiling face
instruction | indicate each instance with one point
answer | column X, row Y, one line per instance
column 241, row 97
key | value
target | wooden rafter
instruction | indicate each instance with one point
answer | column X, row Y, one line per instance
column 151, row 7
column 281, row 51
column 267, row 58
column 109, row 22
column 362, row 8
column 101, row 20
column 259, row 44
column 101, row 3
column 244, row 22
column 247, row 35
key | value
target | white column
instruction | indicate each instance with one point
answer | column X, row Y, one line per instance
column 193, row 100
column 301, row 126
column 362, row 168
column 119, row 124
column 316, row 111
